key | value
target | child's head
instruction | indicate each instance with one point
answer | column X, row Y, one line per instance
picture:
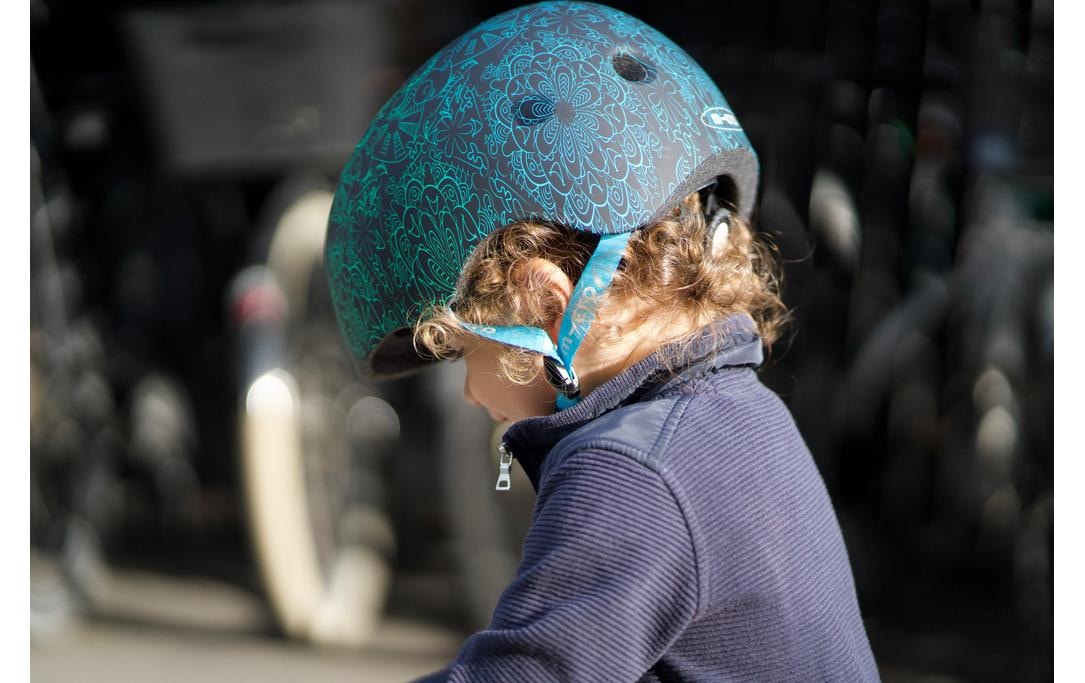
column 506, row 180
column 676, row 276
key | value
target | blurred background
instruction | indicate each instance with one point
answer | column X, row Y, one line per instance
column 216, row 495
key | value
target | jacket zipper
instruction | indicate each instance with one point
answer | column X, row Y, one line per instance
column 504, row 479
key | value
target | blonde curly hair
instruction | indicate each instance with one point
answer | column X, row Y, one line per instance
column 671, row 282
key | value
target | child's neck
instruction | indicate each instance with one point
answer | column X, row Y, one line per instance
column 594, row 372
column 596, row 363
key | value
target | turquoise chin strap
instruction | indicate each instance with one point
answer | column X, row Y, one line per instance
column 579, row 314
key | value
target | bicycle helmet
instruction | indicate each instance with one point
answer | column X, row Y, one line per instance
column 570, row 112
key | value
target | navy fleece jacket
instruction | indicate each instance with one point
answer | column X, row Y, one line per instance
column 681, row 533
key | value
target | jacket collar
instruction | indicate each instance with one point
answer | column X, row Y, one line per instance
column 729, row 342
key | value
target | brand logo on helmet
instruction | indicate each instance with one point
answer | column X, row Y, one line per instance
column 721, row 118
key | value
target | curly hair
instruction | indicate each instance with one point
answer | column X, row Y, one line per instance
column 671, row 278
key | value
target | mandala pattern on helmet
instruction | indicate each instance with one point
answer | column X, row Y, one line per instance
column 523, row 116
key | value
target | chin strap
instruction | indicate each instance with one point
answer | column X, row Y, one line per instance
column 579, row 315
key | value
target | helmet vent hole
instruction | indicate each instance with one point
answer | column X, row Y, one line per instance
column 532, row 110
column 632, row 69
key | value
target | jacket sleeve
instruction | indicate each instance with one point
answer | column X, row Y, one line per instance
column 608, row 581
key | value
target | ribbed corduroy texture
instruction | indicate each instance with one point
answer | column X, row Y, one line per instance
column 717, row 558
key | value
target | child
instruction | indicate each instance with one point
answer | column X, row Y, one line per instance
column 561, row 196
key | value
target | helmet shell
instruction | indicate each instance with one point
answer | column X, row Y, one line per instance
column 570, row 112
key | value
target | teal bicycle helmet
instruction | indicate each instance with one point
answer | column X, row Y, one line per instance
column 569, row 112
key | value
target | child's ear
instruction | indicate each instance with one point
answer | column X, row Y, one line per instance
column 539, row 272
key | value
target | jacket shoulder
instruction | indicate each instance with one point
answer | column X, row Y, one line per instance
column 639, row 431
column 644, row 430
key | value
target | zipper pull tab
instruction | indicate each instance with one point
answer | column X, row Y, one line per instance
column 504, row 479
